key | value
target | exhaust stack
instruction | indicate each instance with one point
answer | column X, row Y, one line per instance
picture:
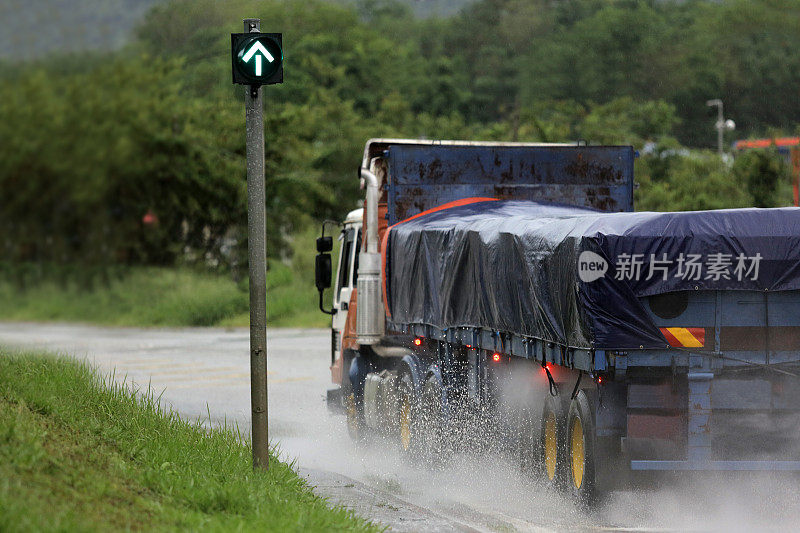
column 370, row 322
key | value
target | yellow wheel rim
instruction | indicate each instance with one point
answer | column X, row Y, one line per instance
column 550, row 445
column 577, row 452
column 405, row 423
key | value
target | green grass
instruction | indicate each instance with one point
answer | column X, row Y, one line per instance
column 150, row 296
column 79, row 453
column 292, row 301
column 168, row 297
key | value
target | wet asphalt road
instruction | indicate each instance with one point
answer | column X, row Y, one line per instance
column 206, row 371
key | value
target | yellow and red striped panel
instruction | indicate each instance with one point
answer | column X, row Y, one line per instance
column 685, row 337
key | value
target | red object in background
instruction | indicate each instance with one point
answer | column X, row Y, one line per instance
column 496, row 357
column 417, row 341
column 765, row 143
column 149, row 218
column 795, row 156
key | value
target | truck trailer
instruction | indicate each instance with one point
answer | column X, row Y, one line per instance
column 507, row 292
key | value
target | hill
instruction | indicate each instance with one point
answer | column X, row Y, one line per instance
column 29, row 29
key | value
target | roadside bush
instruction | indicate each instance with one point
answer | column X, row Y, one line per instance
column 762, row 172
column 696, row 181
column 112, row 165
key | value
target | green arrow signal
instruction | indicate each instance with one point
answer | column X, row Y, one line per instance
column 256, row 58
column 257, row 50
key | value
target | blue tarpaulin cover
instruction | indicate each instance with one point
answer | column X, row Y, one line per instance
column 573, row 275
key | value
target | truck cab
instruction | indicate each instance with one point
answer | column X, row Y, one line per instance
column 344, row 286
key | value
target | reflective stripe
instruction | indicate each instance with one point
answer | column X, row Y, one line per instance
column 685, row 337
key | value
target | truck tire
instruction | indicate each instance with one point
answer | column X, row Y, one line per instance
column 353, row 399
column 552, row 444
column 581, row 450
column 355, row 419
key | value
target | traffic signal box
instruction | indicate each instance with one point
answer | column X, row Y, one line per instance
column 257, row 58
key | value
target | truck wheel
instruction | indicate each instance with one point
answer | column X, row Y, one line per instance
column 407, row 425
column 552, row 446
column 355, row 419
column 581, row 450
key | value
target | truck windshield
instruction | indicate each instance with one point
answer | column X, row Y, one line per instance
column 344, row 261
column 355, row 263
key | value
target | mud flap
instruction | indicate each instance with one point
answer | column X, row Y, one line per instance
column 335, row 401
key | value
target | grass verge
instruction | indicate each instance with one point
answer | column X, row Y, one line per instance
column 78, row 453
column 151, row 296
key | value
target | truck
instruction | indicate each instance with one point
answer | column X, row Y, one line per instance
column 507, row 295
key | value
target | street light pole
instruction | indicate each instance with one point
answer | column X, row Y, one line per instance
column 720, row 125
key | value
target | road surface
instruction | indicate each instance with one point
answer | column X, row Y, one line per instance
column 206, row 371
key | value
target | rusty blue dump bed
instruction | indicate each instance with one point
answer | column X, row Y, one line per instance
column 422, row 175
column 676, row 314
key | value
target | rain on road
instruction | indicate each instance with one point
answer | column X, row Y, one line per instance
column 206, row 371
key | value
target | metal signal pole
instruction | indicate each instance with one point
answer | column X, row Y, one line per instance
column 257, row 260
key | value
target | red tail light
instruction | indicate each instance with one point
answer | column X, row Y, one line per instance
column 417, row 341
column 496, row 357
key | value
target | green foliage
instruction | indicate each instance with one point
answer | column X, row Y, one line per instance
column 620, row 121
column 624, row 121
column 692, row 182
column 82, row 453
column 512, row 53
column 606, row 54
column 87, row 158
column 762, row 171
column 157, row 296
column 92, row 145
column 135, row 297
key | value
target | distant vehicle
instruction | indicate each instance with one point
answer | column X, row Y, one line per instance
column 506, row 294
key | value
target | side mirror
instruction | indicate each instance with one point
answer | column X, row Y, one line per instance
column 323, row 270
column 324, row 244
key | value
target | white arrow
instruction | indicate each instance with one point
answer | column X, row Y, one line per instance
column 258, row 47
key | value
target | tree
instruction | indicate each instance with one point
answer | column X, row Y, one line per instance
column 762, row 172
column 625, row 121
column 696, row 181
column 103, row 149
